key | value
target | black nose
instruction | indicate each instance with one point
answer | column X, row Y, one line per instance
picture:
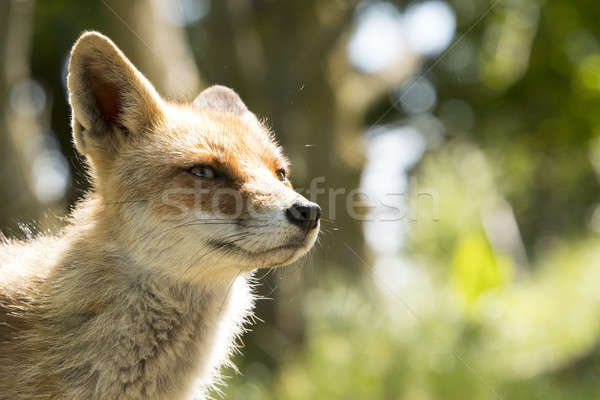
column 306, row 216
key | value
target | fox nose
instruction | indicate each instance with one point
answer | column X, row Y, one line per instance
column 306, row 215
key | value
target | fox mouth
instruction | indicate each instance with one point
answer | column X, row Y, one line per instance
column 236, row 249
column 284, row 254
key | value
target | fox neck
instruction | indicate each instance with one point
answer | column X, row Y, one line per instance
column 139, row 319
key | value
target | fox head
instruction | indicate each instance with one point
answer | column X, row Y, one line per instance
column 190, row 190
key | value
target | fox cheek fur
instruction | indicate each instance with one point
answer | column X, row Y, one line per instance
column 141, row 295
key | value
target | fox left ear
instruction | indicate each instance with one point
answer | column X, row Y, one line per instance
column 220, row 98
column 109, row 97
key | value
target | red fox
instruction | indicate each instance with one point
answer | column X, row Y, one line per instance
column 141, row 295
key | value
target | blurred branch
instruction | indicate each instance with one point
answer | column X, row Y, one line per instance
column 356, row 92
column 157, row 46
column 331, row 31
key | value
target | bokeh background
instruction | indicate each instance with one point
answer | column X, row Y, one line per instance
column 478, row 279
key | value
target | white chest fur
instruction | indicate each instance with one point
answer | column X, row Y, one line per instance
column 155, row 343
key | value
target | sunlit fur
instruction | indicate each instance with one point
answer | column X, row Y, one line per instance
column 141, row 295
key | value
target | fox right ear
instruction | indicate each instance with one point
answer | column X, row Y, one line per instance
column 220, row 98
column 109, row 97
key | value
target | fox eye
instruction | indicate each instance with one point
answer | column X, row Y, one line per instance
column 203, row 171
column 281, row 174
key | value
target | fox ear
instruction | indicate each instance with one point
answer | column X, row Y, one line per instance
column 109, row 97
column 220, row 98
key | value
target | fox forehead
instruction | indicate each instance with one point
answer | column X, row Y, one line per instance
column 189, row 137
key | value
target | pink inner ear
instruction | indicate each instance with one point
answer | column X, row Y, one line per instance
column 107, row 99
